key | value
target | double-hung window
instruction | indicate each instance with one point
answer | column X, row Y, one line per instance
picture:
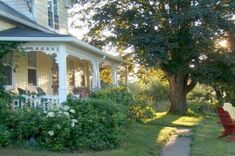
column 7, row 62
column 32, row 69
column 53, row 17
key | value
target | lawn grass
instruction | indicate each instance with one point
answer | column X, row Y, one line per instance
column 206, row 143
column 148, row 139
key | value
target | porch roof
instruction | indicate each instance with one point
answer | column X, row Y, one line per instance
column 26, row 32
column 31, row 35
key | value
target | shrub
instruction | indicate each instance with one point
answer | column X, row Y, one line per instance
column 56, row 130
column 138, row 106
column 202, row 100
column 119, row 94
column 142, row 109
column 78, row 125
column 148, row 98
column 4, row 136
column 99, row 125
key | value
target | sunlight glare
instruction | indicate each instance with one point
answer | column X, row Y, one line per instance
column 223, row 43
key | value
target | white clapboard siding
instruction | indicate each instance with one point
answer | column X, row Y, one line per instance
column 20, row 78
column 42, row 15
column 63, row 17
column 40, row 12
column 20, row 6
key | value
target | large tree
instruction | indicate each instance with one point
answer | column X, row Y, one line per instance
column 177, row 36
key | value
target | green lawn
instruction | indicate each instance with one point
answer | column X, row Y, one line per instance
column 148, row 139
column 206, row 143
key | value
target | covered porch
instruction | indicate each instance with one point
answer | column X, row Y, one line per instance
column 59, row 66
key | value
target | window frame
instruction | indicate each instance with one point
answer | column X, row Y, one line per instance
column 9, row 86
column 32, row 68
column 53, row 11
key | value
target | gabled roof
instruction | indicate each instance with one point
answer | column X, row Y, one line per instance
column 27, row 32
column 7, row 9
column 31, row 31
column 11, row 14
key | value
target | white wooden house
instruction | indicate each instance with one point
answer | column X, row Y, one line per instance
column 55, row 61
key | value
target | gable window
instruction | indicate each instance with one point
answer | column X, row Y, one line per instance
column 32, row 69
column 7, row 60
column 53, row 17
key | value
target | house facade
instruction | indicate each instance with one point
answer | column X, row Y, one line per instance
column 52, row 59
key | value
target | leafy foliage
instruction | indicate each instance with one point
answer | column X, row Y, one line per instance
column 171, row 35
column 100, row 124
column 92, row 124
column 202, row 100
column 106, row 75
column 119, row 94
column 150, row 93
column 5, row 48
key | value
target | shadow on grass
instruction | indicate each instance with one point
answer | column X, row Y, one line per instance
column 172, row 120
column 206, row 141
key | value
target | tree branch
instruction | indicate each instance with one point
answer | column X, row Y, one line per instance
column 191, row 86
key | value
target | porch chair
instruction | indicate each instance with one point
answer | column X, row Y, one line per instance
column 227, row 122
column 83, row 92
column 22, row 91
column 40, row 91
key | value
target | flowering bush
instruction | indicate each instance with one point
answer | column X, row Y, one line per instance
column 99, row 125
column 77, row 125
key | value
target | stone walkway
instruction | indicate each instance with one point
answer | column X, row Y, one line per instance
column 179, row 144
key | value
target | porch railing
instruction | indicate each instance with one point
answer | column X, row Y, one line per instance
column 44, row 102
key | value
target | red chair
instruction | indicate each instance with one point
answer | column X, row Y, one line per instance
column 226, row 121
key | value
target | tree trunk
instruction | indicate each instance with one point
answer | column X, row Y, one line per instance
column 178, row 91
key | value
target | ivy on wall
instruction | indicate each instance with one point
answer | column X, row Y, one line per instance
column 6, row 47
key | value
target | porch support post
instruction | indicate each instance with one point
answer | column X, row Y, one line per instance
column 114, row 74
column 62, row 64
column 95, row 75
column 126, row 75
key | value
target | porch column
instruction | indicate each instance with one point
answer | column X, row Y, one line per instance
column 114, row 74
column 95, row 75
column 126, row 75
column 62, row 64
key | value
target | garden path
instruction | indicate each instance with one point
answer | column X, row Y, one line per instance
column 179, row 144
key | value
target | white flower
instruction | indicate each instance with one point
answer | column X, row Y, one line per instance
column 74, row 120
column 50, row 114
column 51, row 133
column 66, row 107
column 60, row 112
column 72, row 111
column 203, row 57
column 66, row 113
column 72, row 124
column 58, row 126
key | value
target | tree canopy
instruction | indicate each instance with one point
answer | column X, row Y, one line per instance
column 180, row 37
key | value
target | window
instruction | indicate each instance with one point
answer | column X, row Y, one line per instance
column 7, row 60
column 53, row 18
column 32, row 69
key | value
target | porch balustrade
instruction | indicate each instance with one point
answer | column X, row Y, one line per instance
column 34, row 101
